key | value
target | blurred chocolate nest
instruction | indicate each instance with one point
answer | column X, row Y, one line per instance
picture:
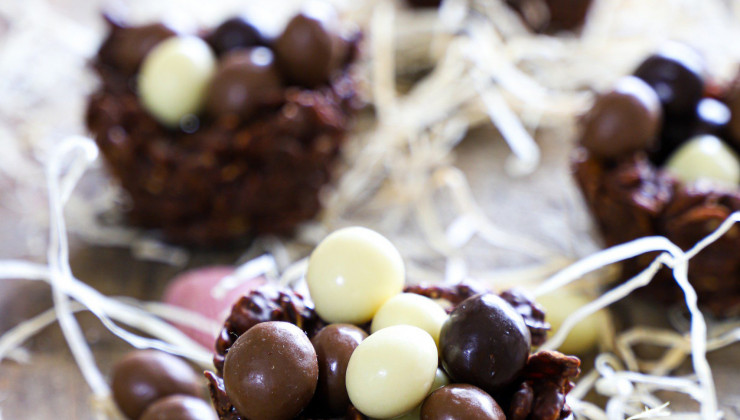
column 221, row 175
column 542, row 16
column 629, row 163
column 538, row 393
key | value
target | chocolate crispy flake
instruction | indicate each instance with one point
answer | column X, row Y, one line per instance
column 546, row 380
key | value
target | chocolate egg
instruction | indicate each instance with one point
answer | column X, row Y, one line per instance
column 676, row 73
column 484, row 343
column 334, row 345
column 271, row 371
column 411, row 309
column 392, row 371
column 126, row 46
column 310, row 49
column 461, row 401
column 705, row 158
column 144, row 376
column 622, row 121
column 244, row 81
column 179, row 407
column 352, row 273
column 174, row 77
column 233, row 34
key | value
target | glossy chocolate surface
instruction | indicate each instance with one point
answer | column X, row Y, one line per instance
column 179, row 407
column 245, row 80
column 271, row 372
column 484, row 343
column 622, row 121
column 234, row 33
column 126, row 47
column 309, row 50
column 145, row 376
column 676, row 73
column 334, row 345
column 461, row 401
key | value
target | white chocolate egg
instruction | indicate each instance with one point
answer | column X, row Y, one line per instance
column 352, row 273
column 559, row 305
column 392, row 371
column 411, row 309
column 174, row 77
column 705, row 157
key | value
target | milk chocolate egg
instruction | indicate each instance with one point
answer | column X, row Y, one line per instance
column 244, row 81
column 461, row 401
column 271, row 371
column 145, row 376
column 334, row 346
column 310, row 49
column 622, row 121
column 180, row 407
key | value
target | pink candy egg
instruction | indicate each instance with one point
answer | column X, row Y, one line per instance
column 192, row 290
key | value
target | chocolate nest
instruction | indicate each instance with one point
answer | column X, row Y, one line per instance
column 219, row 180
column 631, row 197
column 538, row 394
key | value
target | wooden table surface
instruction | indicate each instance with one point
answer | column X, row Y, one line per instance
column 50, row 386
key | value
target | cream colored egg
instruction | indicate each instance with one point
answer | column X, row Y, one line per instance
column 352, row 273
column 174, row 77
column 440, row 380
column 705, row 157
column 411, row 309
column 392, row 371
column 585, row 335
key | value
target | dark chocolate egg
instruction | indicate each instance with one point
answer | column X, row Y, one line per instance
column 244, row 81
column 126, row 46
column 180, row 407
column 461, row 401
column 334, row 345
column 310, row 50
column 144, row 376
column 676, row 72
column 233, row 34
column 711, row 117
column 271, row 371
column 622, row 121
column 485, row 342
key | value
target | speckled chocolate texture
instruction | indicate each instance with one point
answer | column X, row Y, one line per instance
column 217, row 180
column 631, row 197
column 538, row 393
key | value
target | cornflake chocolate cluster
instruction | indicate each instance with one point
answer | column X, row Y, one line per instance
column 658, row 155
column 542, row 16
column 223, row 134
column 366, row 347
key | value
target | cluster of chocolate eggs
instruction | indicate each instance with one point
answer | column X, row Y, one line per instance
column 542, row 16
column 225, row 133
column 370, row 350
column 659, row 156
column 152, row 385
